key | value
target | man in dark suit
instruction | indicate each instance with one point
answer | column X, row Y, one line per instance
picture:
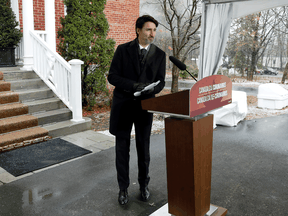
column 135, row 65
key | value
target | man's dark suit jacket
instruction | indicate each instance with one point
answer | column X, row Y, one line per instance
column 124, row 72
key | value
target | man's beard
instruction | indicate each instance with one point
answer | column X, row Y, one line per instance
column 149, row 40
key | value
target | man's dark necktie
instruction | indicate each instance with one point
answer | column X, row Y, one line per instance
column 143, row 53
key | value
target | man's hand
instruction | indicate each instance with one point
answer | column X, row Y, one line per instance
column 138, row 87
column 147, row 92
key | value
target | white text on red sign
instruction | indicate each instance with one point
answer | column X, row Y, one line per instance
column 212, row 96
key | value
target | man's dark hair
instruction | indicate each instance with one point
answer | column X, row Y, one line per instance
column 142, row 20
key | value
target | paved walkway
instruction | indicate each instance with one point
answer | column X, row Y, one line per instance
column 249, row 176
column 86, row 185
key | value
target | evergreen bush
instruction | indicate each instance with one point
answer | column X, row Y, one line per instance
column 10, row 35
column 83, row 36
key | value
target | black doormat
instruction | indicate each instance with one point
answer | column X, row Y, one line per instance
column 38, row 156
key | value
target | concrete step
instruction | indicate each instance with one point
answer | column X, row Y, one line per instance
column 44, row 105
column 17, row 123
column 27, row 84
column 68, row 127
column 8, row 97
column 5, row 86
column 37, row 100
column 35, row 94
column 19, row 75
column 7, row 69
column 22, row 135
column 53, row 116
column 14, row 109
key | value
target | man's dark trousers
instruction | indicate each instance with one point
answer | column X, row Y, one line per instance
column 143, row 122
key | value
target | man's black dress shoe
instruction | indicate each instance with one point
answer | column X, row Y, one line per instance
column 123, row 197
column 145, row 194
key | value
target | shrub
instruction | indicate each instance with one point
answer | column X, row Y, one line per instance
column 84, row 36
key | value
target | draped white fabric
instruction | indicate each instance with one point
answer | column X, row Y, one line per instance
column 214, row 34
column 243, row 8
column 216, row 21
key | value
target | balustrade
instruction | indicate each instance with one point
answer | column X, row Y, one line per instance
column 62, row 78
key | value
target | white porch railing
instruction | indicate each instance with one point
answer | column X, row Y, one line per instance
column 41, row 34
column 19, row 49
column 62, row 78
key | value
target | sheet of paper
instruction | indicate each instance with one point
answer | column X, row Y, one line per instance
column 152, row 85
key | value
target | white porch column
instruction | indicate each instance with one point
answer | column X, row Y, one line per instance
column 76, row 90
column 50, row 23
column 15, row 8
column 28, row 25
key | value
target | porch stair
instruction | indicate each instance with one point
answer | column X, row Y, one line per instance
column 30, row 110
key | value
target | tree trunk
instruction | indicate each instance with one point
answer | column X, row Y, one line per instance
column 175, row 76
column 285, row 74
column 175, row 70
column 254, row 51
column 253, row 65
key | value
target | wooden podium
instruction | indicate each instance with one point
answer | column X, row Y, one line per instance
column 188, row 155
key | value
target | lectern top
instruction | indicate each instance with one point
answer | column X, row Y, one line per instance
column 207, row 94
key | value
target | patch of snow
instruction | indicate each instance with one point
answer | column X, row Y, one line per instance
column 106, row 132
column 157, row 125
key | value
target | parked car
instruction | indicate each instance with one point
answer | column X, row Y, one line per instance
column 258, row 71
column 270, row 71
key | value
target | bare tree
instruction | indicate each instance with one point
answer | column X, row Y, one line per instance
column 255, row 45
column 251, row 37
column 182, row 20
column 284, row 74
column 282, row 29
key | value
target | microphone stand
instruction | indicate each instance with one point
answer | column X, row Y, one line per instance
column 191, row 75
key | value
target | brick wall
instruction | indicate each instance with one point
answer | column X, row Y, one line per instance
column 20, row 14
column 39, row 14
column 59, row 12
column 121, row 15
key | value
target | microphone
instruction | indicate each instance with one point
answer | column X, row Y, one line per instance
column 180, row 65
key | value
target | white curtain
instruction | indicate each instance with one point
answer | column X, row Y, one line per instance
column 216, row 21
column 243, row 8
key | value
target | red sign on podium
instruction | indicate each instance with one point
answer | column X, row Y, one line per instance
column 207, row 94
column 210, row 93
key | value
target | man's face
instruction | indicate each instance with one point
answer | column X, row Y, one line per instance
column 147, row 34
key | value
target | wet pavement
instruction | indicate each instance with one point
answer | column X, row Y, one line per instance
column 249, row 176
